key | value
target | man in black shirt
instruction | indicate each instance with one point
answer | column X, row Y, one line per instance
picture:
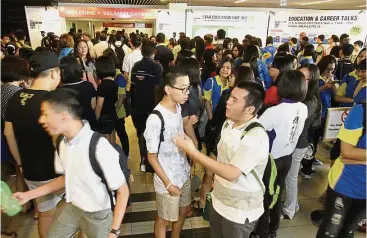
column 29, row 143
column 146, row 91
column 164, row 55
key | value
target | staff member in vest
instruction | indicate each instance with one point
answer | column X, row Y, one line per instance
column 237, row 196
column 61, row 113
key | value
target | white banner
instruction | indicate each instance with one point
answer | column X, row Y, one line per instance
column 237, row 24
column 334, row 121
column 286, row 24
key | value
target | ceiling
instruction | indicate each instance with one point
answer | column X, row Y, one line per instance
column 300, row 4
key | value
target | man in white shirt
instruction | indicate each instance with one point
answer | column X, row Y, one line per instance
column 92, row 52
column 237, row 197
column 133, row 57
column 88, row 205
column 172, row 171
column 102, row 45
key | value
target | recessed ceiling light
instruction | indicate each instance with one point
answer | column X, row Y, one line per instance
column 239, row 1
column 318, row 2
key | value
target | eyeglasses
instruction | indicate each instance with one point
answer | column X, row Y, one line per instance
column 183, row 90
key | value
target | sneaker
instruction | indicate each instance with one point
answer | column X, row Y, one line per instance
column 272, row 235
column 317, row 162
column 142, row 168
column 283, row 215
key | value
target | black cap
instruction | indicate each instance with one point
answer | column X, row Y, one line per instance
column 44, row 60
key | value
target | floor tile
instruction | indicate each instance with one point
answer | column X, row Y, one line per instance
column 126, row 229
column 142, row 197
column 144, row 206
column 23, row 220
column 198, row 222
column 28, row 231
column 143, row 227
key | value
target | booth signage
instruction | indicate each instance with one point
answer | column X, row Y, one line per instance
column 334, row 121
column 96, row 12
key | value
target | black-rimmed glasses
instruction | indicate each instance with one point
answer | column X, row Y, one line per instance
column 183, row 90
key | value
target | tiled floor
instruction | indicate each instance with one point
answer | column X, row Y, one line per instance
column 139, row 219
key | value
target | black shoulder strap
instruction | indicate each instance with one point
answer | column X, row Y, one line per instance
column 161, row 136
column 96, row 166
column 58, row 142
column 364, row 117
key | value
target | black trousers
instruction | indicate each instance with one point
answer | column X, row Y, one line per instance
column 318, row 133
column 140, row 121
column 121, row 133
column 342, row 215
column 264, row 227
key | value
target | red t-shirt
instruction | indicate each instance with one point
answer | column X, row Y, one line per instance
column 271, row 96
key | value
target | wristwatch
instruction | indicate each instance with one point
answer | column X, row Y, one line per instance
column 116, row 232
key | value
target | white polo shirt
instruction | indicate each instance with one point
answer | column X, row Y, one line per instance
column 130, row 59
column 100, row 47
column 84, row 189
column 250, row 153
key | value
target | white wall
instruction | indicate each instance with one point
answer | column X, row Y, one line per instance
column 43, row 19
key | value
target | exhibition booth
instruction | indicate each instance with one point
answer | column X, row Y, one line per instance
column 280, row 23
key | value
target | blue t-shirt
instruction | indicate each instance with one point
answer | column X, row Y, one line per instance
column 271, row 50
column 325, row 96
column 213, row 89
column 349, row 179
column 347, row 87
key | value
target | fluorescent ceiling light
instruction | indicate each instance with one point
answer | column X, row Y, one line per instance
column 239, row 1
column 318, row 2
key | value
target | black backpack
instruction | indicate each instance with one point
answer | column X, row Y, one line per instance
column 120, row 53
column 143, row 146
column 344, row 67
column 97, row 168
column 335, row 150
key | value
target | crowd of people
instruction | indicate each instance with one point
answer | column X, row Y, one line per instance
column 251, row 114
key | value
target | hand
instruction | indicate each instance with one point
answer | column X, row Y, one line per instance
column 174, row 191
column 329, row 85
column 184, row 143
column 274, row 73
column 193, row 119
column 22, row 198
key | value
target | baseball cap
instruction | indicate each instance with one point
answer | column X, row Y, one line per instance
column 43, row 60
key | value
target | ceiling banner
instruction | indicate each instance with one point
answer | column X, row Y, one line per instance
column 97, row 12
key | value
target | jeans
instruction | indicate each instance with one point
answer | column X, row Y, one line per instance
column 342, row 215
column 139, row 121
column 291, row 183
column 264, row 227
column 220, row 227
column 121, row 133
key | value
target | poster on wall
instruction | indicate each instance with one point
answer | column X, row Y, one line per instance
column 284, row 25
column 169, row 21
column 237, row 24
column 43, row 19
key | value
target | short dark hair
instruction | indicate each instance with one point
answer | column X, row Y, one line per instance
column 292, row 85
column 244, row 73
column 239, row 48
column 105, row 67
column 269, row 40
column 325, row 61
column 136, row 40
column 103, row 36
column 185, row 43
column 343, row 36
column 294, row 40
column 321, row 37
column 19, row 34
column 64, row 99
column 305, row 39
column 283, row 48
column 335, row 51
column 283, row 63
column 71, row 70
column 119, row 36
column 14, row 68
column 221, row 34
column 192, row 68
column 249, row 52
column 309, row 50
column 361, row 65
column 148, row 49
column 248, row 36
column 255, row 96
column 161, row 37
column 347, row 49
column 355, row 61
column 335, row 38
column 80, row 30
column 169, row 79
column 208, row 38
column 359, row 43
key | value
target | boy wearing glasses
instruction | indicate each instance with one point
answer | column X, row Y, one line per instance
column 172, row 171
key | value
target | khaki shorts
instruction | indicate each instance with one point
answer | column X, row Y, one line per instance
column 168, row 206
column 47, row 202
